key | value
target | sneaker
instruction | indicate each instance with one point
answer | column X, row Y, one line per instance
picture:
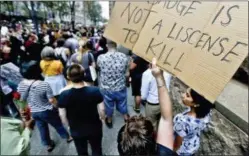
column 108, row 124
column 137, row 110
column 50, row 148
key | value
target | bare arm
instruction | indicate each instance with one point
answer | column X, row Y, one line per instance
column 165, row 128
column 62, row 113
column 101, row 110
column 53, row 101
column 132, row 65
column 93, row 64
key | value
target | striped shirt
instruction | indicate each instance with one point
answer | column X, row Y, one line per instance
column 38, row 97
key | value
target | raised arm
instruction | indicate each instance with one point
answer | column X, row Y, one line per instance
column 165, row 128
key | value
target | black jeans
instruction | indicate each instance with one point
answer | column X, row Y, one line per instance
column 95, row 142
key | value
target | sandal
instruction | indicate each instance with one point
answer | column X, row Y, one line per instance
column 50, row 148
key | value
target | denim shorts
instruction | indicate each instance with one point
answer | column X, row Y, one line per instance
column 115, row 97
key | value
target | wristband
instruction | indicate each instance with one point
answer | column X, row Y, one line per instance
column 159, row 86
column 160, row 82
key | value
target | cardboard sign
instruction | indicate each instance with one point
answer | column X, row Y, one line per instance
column 127, row 20
column 202, row 43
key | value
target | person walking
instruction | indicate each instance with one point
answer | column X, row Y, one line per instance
column 39, row 96
column 137, row 66
column 113, row 67
column 79, row 107
column 61, row 52
column 86, row 59
column 52, row 70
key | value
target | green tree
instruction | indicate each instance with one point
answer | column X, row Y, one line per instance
column 62, row 8
column 72, row 10
column 50, row 6
column 94, row 10
column 7, row 6
column 27, row 9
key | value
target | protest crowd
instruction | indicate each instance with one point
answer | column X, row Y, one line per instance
column 73, row 79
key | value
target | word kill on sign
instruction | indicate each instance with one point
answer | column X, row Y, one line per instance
column 202, row 43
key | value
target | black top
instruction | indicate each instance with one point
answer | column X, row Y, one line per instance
column 142, row 65
column 164, row 151
column 81, row 107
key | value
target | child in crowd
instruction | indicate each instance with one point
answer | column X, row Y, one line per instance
column 189, row 124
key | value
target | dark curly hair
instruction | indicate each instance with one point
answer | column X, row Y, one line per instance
column 136, row 137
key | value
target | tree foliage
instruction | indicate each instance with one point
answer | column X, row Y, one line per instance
column 7, row 6
column 94, row 10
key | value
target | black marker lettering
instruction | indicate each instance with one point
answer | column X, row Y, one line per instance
column 159, row 25
column 222, row 47
column 218, row 14
column 182, row 8
column 197, row 31
column 191, row 8
column 166, row 59
column 150, row 46
column 231, row 52
column 132, row 39
column 200, row 40
column 154, row 2
column 129, row 14
column 176, row 68
column 128, row 33
column 149, row 11
column 136, row 20
column 187, row 30
column 224, row 24
column 172, row 31
column 210, row 46
column 160, row 56
column 178, row 33
column 168, row 5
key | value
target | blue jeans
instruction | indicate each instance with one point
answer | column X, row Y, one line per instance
column 51, row 117
column 115, row 97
